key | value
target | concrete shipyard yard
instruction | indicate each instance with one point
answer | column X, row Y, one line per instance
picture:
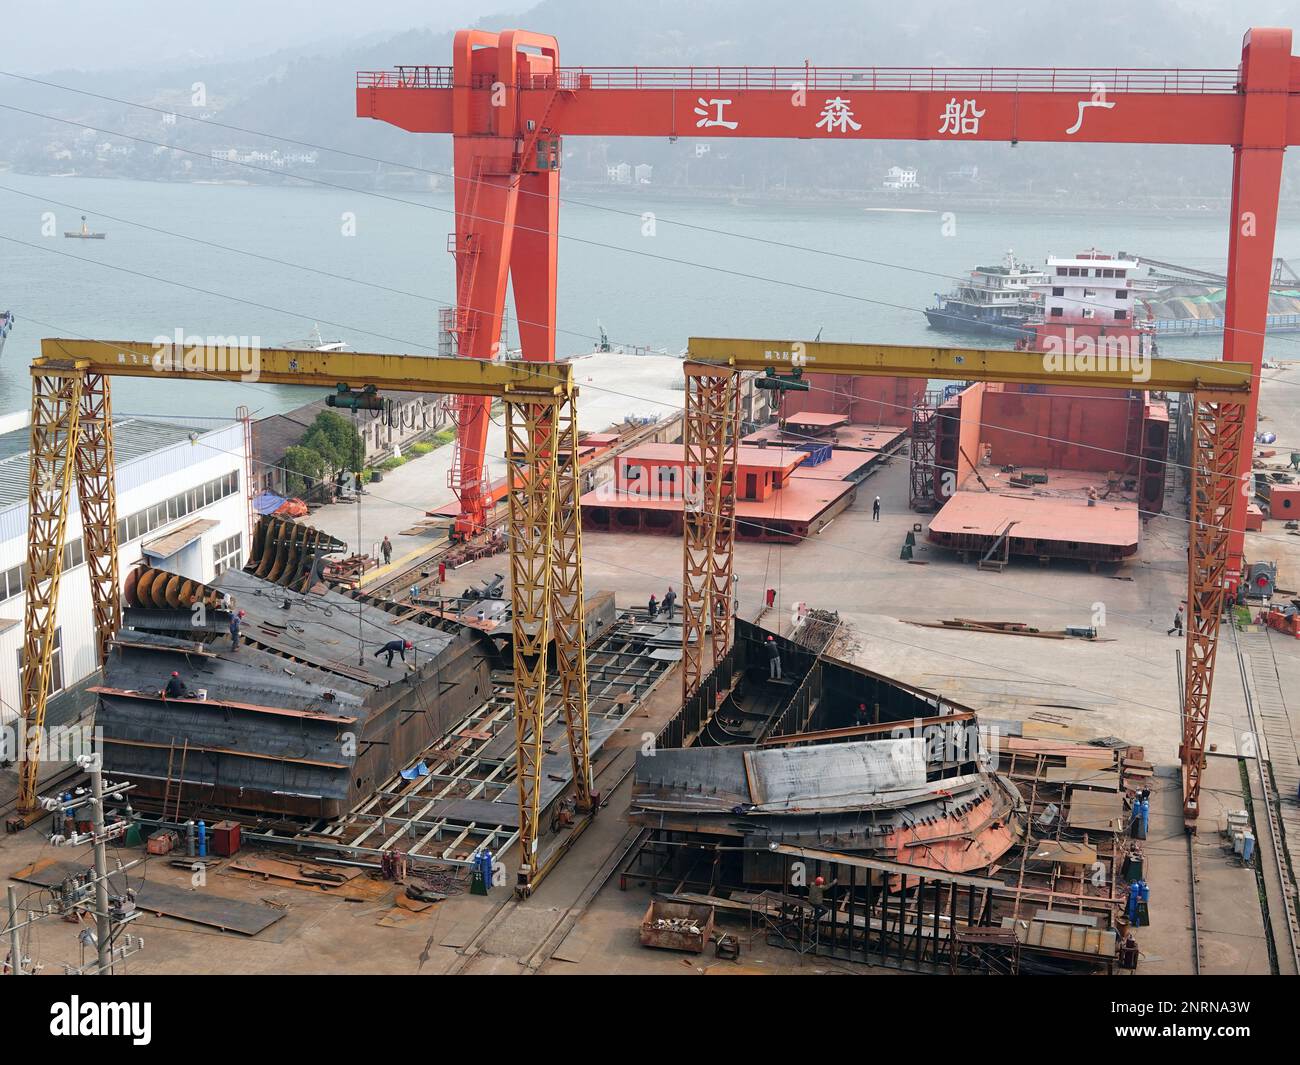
column 585, row 917
column 773, row 657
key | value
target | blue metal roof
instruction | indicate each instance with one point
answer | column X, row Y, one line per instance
column 133, row 438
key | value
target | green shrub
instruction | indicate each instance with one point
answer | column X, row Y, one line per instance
column 302, row 467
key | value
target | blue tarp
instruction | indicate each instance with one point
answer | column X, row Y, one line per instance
column 417, row 770
column 267, row 502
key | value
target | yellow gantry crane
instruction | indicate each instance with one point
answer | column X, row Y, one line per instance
column 71, row 434
column 1220, row 392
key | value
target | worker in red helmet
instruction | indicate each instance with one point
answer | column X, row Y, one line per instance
column 817, row 894
column 394, row 647
column 773, row 659
column 175, row 687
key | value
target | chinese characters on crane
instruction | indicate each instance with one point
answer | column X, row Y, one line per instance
column 961, row 116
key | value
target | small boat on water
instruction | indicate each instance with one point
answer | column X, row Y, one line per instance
column 996, row 301
column 84, row 232
column 315, row 342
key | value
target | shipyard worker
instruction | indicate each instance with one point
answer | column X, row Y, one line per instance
column 652, row 607
column 175, row 687
column 1178, row 623
column 394, row 647
column 236, row 620
column 771, row 598
column 863, row 718
column 442, row 572
column 817, row 894
column 774, row 658
column 386, row 549
column 670, row 601
column 875, row 509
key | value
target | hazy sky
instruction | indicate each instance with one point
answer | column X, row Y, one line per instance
column 39, row 36
column 43, row 35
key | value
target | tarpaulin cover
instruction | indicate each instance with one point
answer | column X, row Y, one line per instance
column 267, row 502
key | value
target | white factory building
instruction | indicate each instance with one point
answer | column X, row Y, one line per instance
column 181, row 505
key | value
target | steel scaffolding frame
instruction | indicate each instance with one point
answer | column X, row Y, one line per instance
column 56, row 397
column 921, row 460
column 710, row 433
column 568, row 602
column 531, row 444
column 94, row 467
column 1218, row 427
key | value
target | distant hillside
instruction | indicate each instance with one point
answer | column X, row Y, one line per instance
column 310, row 97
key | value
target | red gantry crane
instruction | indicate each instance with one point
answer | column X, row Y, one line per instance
column 508, row 103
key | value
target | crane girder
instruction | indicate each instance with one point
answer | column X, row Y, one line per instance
column 72, row 438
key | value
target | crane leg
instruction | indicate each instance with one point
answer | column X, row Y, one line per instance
column 56, row 403
column 487, row 196
column 97, row 495
column 1218, row 439
column 723, row 543
column 567, row 601
column 531, row 450
column 1264, row 78
column 533, row 260
column 708, row 515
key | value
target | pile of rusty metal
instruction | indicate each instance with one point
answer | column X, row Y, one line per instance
column 290, row 554
column 817, row 630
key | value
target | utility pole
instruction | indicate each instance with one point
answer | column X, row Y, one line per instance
column 103, row 932
column 15, row 947
column 99, row 837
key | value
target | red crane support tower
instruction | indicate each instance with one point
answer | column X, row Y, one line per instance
column 508, row 103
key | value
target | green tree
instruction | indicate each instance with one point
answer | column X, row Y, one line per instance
column 336, row 440
column 303, row 466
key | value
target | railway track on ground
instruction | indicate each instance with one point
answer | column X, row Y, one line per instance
column 1274, row 752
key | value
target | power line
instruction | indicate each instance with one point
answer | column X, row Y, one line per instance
column 496, row 221
column 1023, row 592
column 211, row 292
column 400, row 341
column 786, row 245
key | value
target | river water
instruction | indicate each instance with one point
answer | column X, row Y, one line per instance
column 652, row 270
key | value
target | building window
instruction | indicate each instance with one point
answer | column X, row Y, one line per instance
column 1121, row 293
column 1058, row 312
column 56, row 664
column 143, row 522
column 1121, row 315
column 1061, row 271
column 228, row 554
column 1058, row 292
